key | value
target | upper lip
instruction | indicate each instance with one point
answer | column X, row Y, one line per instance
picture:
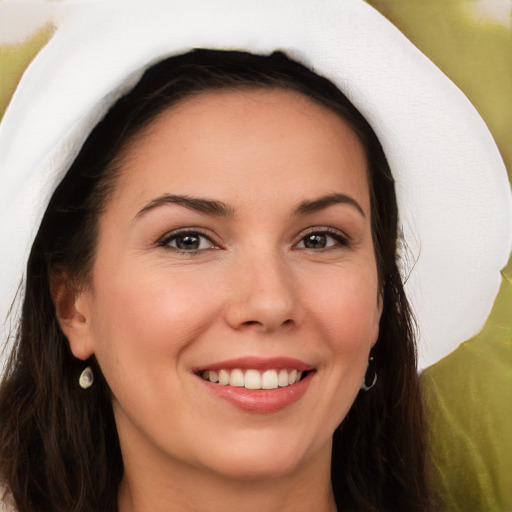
column 257, row 363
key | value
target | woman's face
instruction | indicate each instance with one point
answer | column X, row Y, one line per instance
column 237, row 245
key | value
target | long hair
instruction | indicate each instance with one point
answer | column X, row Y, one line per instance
column 59, row 449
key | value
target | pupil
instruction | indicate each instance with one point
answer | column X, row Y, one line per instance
column 188, row 242
column 315, row 241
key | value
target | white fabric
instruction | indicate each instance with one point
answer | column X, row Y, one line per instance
column 454, row 197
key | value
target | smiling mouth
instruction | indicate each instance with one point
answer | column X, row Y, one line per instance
column 254, row 379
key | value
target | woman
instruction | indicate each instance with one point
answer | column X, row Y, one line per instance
column 182, row 347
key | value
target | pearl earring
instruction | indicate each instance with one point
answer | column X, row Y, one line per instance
column 86, row 378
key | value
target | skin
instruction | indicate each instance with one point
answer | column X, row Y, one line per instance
column 153, row 313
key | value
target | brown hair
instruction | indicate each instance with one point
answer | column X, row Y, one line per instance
column 59, row 448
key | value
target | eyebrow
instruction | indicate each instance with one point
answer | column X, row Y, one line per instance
column 220, row 209
column 207, row 206
column 324, row 202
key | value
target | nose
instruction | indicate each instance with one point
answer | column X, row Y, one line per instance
column 265, row 295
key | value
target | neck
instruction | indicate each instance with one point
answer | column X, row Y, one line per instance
column 188, row 489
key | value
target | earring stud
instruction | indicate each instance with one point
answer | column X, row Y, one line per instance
column 86, row 378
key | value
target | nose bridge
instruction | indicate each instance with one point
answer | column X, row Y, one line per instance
column 265, row 293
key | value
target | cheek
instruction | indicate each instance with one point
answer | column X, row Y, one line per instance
column 347, row 318
column 347, row 309
column 148, row 315
column 343, row 306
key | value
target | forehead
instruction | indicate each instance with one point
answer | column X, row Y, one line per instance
column 249, row 136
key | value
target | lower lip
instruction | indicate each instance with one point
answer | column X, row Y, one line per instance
column 262, row 401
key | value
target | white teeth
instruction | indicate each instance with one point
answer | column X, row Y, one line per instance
column 237, row 378
column 283, row 380
column 223, row 377
column 253, row 379
column 269, row 380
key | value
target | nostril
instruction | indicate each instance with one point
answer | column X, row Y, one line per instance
column 251, row 322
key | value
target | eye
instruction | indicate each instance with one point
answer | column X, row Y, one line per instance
column 187, row 242
column 322, row 240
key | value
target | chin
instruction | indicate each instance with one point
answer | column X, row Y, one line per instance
column 264, row 459
column 252, row 469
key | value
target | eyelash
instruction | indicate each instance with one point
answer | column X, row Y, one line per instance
column 339, row 239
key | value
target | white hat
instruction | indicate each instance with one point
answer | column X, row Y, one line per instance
column 454, row 198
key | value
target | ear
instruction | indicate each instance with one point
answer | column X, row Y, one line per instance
column 71, row 307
